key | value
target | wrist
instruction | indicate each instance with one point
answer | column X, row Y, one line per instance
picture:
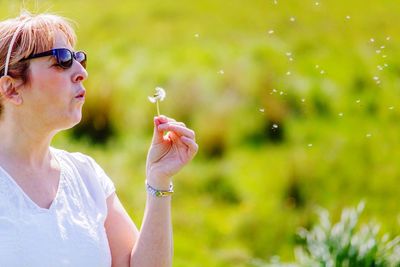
column 159, row 192
column 159, row 182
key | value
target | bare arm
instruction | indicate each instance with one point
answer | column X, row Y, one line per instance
column 152, row 246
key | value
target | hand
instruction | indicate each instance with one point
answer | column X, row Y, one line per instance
column 169, row 153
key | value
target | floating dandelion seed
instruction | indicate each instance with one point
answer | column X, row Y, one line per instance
column 288, row 73
column 310, row 145
column 322, row 72
column 275, row 2
column 378, row 82
column 388, row 38
column 303, row 100
column 382, row 47
column 385, row 65
column 292, row 19
column 391, row 107
column 281, row 93
column 271, row 32
column 221, row 72
column 358, row 101
column 288, row 54
column 376, row 78
column 384, row 56
column 378, row 51
column 261, row 110
column 275, row 126
column 317, row 3
column 368, row 135
column 379, row 67
column 348, row 17
column 196, row 35
column 372, row 40
column 317, row 66
column 158, row 96
column 341, row 114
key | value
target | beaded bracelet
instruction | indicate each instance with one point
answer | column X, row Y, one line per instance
column 159, row 193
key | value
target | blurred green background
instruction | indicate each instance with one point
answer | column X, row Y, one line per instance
column 295, row 105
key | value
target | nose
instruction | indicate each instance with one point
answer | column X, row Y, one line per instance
column 80, row 73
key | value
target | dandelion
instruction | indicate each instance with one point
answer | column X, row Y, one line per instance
column 158, row 96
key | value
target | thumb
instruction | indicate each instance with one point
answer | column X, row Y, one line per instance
column 158, row 136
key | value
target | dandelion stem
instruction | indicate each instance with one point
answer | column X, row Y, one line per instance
column 158, row 109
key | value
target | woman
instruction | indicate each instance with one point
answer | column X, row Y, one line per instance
column 59, row 208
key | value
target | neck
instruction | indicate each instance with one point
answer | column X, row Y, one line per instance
column 24, row 143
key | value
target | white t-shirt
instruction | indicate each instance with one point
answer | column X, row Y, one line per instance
column 71, row 232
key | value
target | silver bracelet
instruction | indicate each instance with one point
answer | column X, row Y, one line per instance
column 159, row 193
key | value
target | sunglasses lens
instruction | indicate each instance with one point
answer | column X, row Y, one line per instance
column 64, row 58
column 81, row 58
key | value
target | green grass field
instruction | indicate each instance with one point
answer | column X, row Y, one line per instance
column 295, row 105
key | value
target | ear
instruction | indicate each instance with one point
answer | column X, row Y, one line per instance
column 8, row 90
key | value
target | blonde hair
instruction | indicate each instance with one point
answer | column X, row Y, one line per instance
column 29, row 34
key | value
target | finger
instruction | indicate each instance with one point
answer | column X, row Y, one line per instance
column 158, row 134
column 178, row 129
column 192, row 145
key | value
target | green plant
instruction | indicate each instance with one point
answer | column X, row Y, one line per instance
column 345, row 243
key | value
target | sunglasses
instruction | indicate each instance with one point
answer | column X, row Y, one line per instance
column 64, row 57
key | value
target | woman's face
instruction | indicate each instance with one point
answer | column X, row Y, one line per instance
column 54, row 96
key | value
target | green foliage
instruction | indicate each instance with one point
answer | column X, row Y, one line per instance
column 345, row 243
column 272, row 145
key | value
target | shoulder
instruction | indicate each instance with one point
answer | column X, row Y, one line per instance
column 75, row 158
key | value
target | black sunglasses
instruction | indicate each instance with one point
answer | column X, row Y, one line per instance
column 64, row 57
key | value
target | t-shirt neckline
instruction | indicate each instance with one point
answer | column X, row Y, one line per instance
column 26, row 197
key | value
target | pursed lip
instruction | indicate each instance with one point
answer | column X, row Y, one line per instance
column 81, row 94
